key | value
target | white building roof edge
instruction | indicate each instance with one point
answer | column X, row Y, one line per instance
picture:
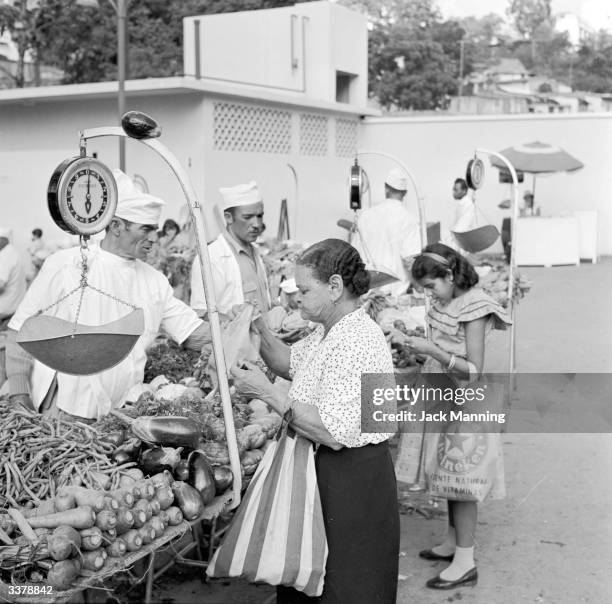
column 174, row 85
column 492, row 117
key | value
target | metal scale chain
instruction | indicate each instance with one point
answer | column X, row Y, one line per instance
column 82, row 286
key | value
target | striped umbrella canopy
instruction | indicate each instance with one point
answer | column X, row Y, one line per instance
column 538, row 158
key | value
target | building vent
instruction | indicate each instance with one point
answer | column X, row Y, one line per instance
column 251, row 128
column 346, row 137
column 313, row 134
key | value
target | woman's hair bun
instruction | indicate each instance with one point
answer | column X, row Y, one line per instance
column 361, row 280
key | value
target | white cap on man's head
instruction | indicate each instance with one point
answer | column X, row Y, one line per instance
column 133, row 204
column 397, row 179
column 289, row 286
column 7, row 233
column 240, row 195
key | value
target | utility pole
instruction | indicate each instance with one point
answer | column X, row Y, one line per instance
column 461, row 61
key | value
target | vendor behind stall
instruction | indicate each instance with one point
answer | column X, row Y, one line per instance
column 115, row 266
column 238, row 271
column 388, row 234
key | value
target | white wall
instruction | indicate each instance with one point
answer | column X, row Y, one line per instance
column 257, row 47
column 436, row 150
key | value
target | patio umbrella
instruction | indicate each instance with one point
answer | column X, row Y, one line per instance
column 538, row 158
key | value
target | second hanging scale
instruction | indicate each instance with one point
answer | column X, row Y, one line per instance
column 82, row 200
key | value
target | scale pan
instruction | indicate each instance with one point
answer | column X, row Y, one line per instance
column 380, row 278
column 91, row 349
column 478, row 239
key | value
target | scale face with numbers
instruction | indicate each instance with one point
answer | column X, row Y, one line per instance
column 82, row 195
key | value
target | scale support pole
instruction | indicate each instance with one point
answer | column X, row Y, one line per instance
column 512, row 268
column 209, row 293
column 419, row 199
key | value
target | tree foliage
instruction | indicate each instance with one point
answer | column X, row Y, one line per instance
column 415, row 56
column 530, row 15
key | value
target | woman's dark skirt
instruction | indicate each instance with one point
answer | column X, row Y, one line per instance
column 359, row 501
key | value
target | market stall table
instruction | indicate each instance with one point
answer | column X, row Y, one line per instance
column 547, row 241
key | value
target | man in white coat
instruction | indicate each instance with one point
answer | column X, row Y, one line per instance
column 388, row 234
column 238, row 271
column 115, row 266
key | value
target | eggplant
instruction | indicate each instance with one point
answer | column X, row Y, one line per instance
column 116, row 438
column 128, row 451
column 159, row 459
column 201, row 476
column 170, row 430
column 224, row 477
column 181, row 472
column 188, row 500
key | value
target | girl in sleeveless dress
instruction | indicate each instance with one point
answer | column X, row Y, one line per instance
column 459, row 318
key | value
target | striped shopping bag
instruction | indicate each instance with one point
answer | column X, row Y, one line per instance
column 277, row 536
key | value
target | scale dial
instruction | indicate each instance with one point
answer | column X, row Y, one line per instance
column 82, row 196
column 475, row 173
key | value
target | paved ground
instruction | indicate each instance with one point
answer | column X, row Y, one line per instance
column 550, row 540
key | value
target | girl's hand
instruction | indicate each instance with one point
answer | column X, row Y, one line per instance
column 250, row 380
column 418, row 345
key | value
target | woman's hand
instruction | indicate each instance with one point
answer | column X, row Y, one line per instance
column 249, row 380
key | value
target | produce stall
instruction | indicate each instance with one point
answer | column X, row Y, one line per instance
column 82, row 502
column 75, row 506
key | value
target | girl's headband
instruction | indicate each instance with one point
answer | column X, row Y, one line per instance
column 436, row 257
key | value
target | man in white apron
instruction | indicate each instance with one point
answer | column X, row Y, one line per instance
column 388, row 234
column 238, row 271
column 115, row 266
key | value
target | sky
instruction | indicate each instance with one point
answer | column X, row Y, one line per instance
column 597, row 13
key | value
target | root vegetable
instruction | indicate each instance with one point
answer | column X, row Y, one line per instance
column 106, row 520
column 125, row 520
column 25, row 526
column 65, row 501
column 109, row 535
column 155, row 507
column 117, row 548
column 83, row 496
column 91, row 538
column 133, row 540
column 143, row 504
column 161, row 479
column 124, row 497
column 80, row 518
column 61, row 535
column 46, row 507
column 140, row 518
column 102, row 480
column 62, row 575
column 157, row 524
column 175, row 516
column 147, row 532
column 60, row 547
column 93, row 560
column 164, row 496
column 144, row 489
column 111, row 504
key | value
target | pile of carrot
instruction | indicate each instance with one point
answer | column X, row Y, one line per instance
column 39, row 456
